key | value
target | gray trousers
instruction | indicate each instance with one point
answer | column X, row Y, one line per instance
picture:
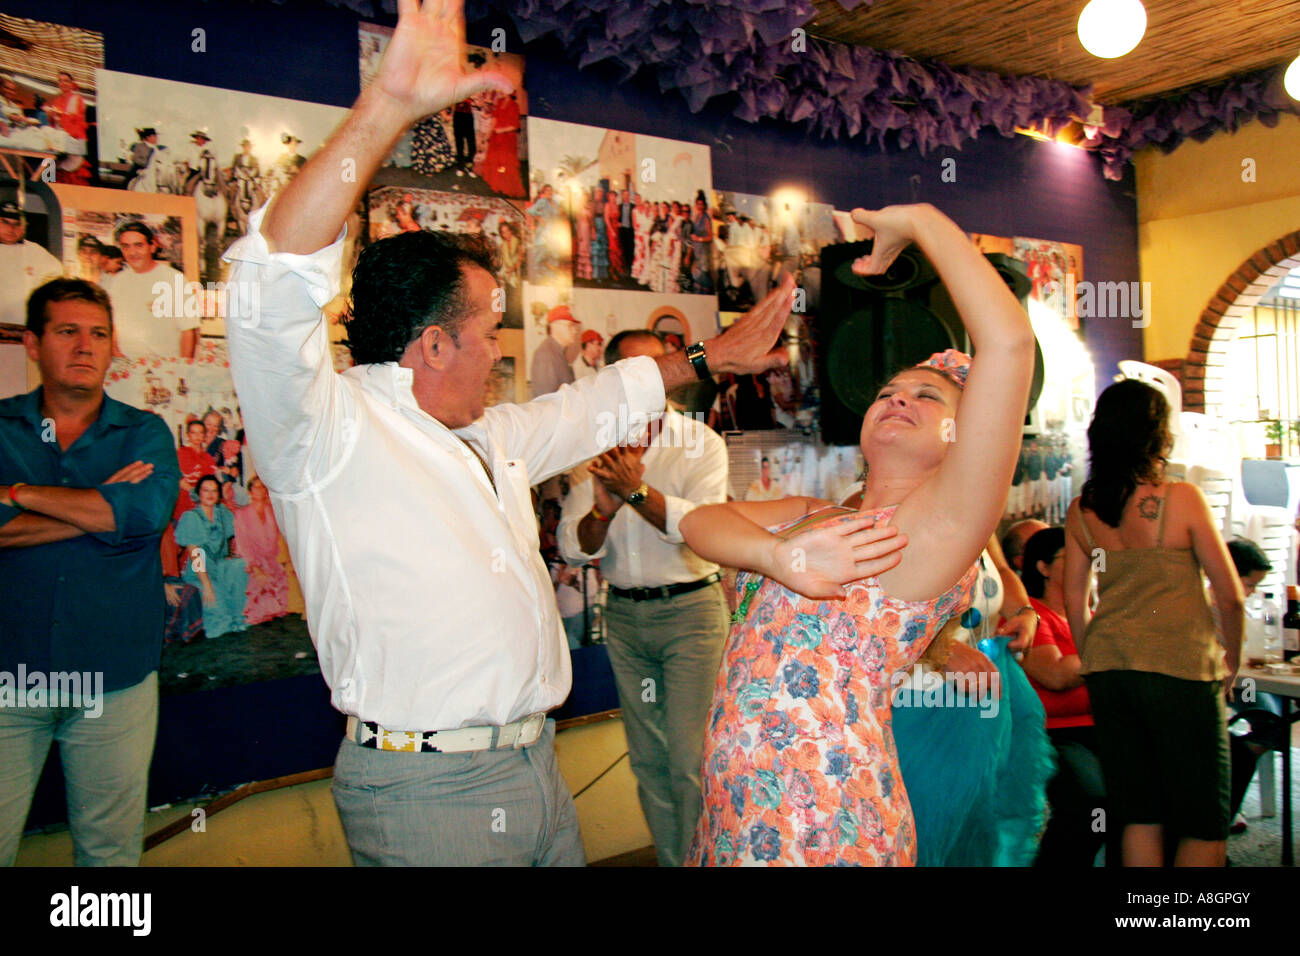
column 482, row 808
column 665, row 654
column 105, row 762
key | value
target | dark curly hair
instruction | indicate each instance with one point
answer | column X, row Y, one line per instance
column 1128, row 440
column 404, row 284
column 1042, row 546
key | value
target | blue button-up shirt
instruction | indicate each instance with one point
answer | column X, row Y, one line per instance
column 94, row 602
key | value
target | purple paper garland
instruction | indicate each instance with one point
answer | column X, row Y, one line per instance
column 757, row 50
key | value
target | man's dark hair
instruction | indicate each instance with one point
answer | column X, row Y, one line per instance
column 1247, row 557
column 63, row 290
column 135, row 225
column 113, row 252
column 613, row 351
column 405, row 283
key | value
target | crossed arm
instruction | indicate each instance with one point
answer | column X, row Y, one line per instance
column 52, row 513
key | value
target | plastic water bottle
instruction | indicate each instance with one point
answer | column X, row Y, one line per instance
column 1254, row 638
column 1272, row 629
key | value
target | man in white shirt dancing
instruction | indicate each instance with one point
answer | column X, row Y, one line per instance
column 406, row 505
column 666, row 619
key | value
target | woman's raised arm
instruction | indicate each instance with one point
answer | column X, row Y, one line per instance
column 951, row 516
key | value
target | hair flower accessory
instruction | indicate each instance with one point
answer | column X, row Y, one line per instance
column 954, row 364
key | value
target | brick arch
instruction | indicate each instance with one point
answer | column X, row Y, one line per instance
column 1203, row 369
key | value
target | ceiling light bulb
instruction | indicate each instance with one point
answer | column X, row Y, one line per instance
column 1111, row 28
column 1291, row 81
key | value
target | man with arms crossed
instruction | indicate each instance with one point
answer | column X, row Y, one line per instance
column 407, row 507
column 86, row 487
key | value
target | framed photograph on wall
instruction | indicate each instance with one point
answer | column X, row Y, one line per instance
column 48, row 97
column 143, row 249
column 230, row 151
column 477, row 147
column 616, row 210
column 391, row 210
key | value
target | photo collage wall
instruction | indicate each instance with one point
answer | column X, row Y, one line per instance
column 157, row 179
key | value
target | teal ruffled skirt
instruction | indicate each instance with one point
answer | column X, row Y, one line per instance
column 977, row 776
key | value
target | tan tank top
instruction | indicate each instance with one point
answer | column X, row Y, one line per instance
column 1151, row 613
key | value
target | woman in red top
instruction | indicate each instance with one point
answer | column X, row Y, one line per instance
column 1077, row 794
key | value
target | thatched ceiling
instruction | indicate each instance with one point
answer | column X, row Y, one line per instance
column 1187, row 42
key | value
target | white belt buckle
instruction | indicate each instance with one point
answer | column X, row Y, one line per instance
column 530, row 728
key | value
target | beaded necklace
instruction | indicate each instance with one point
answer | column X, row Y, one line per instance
column 756, row 582
column 751, row 588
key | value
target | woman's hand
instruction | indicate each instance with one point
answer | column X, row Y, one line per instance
column 1021, row 626
column 1233, row 663
column 892, row 229
column 818, row 563
column 209, row 595
column 977, row 672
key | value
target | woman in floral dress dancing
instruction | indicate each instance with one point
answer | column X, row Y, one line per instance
column 799, row 761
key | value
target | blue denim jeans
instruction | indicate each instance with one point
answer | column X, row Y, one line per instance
column 106, row 765
column 483, row 808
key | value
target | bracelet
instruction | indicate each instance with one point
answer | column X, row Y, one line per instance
column 14, row 488
column 598, row 516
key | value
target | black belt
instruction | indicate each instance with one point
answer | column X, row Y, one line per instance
column 665, row 590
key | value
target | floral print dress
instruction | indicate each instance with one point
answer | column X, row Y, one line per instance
column 799, row 759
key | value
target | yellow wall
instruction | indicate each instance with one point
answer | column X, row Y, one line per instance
column 1198, row 220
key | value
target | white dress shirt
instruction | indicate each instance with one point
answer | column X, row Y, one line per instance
column 687, row 464
column 427, row 598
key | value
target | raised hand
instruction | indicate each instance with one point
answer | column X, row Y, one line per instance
column 818, row 563
column 748, row 345
column 423, row 70
column 892, row 230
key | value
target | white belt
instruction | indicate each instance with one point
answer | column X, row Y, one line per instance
column 521, row 733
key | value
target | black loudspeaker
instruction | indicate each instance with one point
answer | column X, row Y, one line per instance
column 868, row 327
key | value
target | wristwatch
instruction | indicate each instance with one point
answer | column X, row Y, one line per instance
column 695, row 355
column 639, row 496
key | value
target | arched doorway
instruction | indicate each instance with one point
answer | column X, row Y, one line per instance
column 1203, row 370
